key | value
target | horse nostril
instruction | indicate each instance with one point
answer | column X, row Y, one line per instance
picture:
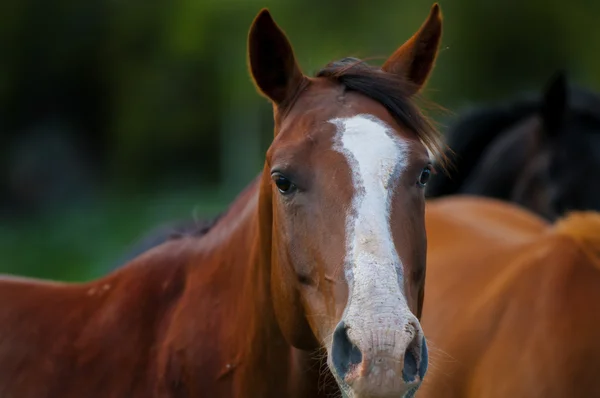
column 413, row 365
column 424, row 359
column 344, row 354
column 410, row 366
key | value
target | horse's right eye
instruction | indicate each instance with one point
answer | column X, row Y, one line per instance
column 284, row 185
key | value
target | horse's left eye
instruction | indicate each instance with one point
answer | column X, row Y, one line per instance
column 424, row 177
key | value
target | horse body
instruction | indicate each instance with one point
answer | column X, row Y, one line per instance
column 513, row 305
column 310, row 285
column 70, row 340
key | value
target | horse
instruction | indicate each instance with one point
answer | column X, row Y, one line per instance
column 536, row 152
column 513, row 301
column 320, row 261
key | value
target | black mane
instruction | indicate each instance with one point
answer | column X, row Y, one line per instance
column 166, row 232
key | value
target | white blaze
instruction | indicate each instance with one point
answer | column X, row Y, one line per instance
column 373, row 268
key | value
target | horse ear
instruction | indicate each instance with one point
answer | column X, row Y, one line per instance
column 414, row 59
column 554, row 103
column 272, row 63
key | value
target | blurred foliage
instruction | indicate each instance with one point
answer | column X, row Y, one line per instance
column 84, row 241
column 153, row 99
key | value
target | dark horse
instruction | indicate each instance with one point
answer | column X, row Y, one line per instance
column 542, row 153
column 320, row 260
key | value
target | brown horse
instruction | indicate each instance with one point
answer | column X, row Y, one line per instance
column 322, row 256
column 513, row 302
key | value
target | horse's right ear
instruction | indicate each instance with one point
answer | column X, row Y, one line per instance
column 554, row 103
column 272, row 62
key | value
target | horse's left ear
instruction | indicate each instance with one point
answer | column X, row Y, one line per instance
column 271, row 58
column 554, row 103
column 415, row 58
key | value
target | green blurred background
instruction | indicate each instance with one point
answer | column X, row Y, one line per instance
column 117, row 116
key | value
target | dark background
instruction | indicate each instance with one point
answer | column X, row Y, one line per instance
column 118, row 115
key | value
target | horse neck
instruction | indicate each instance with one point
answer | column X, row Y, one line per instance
column 242, row 243
column 231, row 267
column 273, row 367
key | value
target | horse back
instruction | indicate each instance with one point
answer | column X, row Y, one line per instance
column 522, row 308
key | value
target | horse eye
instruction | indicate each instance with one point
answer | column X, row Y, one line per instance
column 425, row 176
column 284, row 185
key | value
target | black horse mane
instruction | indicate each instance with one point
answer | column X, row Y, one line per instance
column 167, row 232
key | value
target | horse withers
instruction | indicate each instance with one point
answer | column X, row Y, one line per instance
column 322, row 256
